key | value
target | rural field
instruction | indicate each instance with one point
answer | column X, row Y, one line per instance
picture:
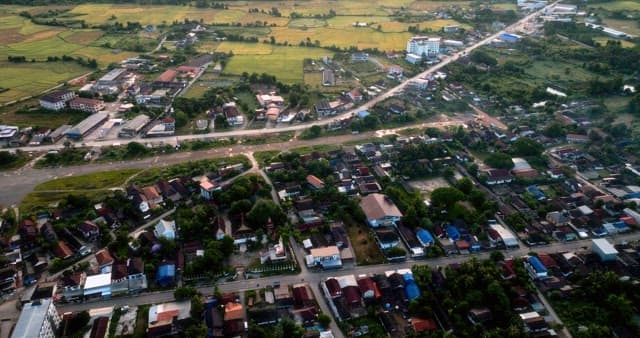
column 284, row 62
column 27, row 79
column 618, row 5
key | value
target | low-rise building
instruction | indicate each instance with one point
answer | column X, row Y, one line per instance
column 327, row 257
column 86, row 126
column 56, row 100
column 134, row 126
column 604, row 249
column 165, row 229
column 380, row 210
column 86, row 105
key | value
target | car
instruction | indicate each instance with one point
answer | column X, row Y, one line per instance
column 276, row 284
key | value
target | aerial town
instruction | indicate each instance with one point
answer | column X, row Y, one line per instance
column 319, row 169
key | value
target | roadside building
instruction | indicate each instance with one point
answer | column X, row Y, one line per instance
column 604, row 249
column 134, row 126
column 9, row 136
column 58, row 133
column 327, row 257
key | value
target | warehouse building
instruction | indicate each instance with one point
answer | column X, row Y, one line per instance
column 134, row 126
column 86, row 126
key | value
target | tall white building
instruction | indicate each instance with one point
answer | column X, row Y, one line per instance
column 38, row 319
column 420, row 45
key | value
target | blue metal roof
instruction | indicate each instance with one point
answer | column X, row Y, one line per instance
column 537, row 264
column 425, row 236
column 408, row 277
column 632, row 195
column 411, row 290
column 453, row 232
column 363, row 113
column 620, row 225
column 166, row 271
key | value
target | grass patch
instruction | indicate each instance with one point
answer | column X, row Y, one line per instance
column 364, row 245
column 39, row 200
column 617, row 104
column 307, row 23
column 264, row 157
column 618, row 6
column 101, row 180
column 624, row 43
column 142, row 318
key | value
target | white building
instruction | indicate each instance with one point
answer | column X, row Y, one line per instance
column 166, row 229
column 38, row 319
column 56, row 100
column 604, row 249
column 508, row 238
column 98, row 286
column 327, row 257
column 423, row 45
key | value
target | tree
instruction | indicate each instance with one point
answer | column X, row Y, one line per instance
column 196, row 307
column 465, row 185
column 446, row 197
column 78, row 323
column 525, row 146
column 554, row 130
column 135, row 149
column 324, row 320
column 196, row 331
column 497, row 256
column 264, row 210
column 181, row 118
column 479, row 56
column 7, row 158
column 184, row 293
column 499, row 160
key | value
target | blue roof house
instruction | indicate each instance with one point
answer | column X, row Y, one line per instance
column 425, row 238
column 453, row 233
column 363, row 113
column 536, row 269
column 166, row 274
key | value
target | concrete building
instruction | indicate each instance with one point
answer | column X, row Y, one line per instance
column 86, row 105
column 508, row 238
column 423, row 45
column 604, row 249
column 38, row 319
column 56, row 100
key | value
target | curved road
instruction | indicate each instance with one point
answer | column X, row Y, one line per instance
column 20, row 182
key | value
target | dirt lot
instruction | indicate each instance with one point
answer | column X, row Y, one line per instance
column 427, row 186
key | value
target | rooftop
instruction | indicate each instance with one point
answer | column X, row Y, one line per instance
column 376, row 206
column 31, row 318
column 97, row 281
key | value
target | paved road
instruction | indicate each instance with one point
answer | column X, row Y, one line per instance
column 315, row 278
column 367, row 105
column 20, row 182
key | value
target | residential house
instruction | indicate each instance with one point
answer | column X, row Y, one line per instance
column 327, row 257
column 498, row 176
column 166, row 274
column 89, row 230
column 165, row 319
column 355, row 95
column 314, row 182
column 386, row 237
column 165, row 229
column 104, row 258
column 232, row 114
column 380, row 210
column 207, row 188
